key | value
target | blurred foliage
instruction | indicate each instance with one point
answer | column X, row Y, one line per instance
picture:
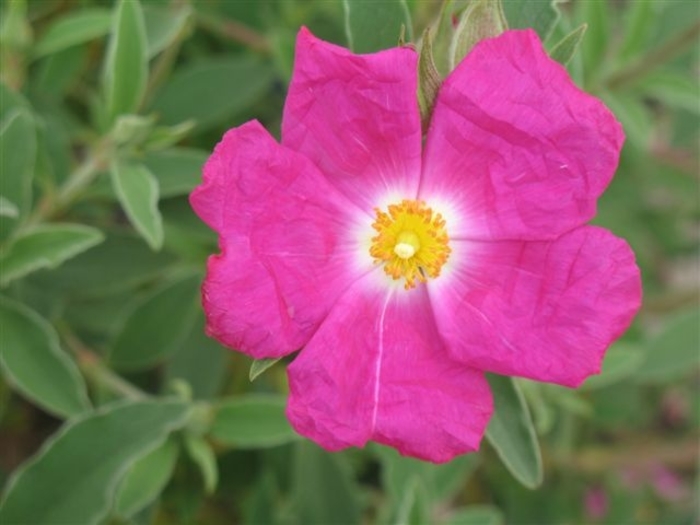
column 116, row 408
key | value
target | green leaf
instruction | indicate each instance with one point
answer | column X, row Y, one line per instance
column 476, row 515
column 76, row 472
column 146, row 479
column 674, row 351
column 639, row 20
column 594, row 49
column 10, row 101
column 163, row 137
column 130, row 131
column 414, row 508
column 442, row 32
column 442, row 481
column 203, row 456
column 33, row 361
column 481, row 19
column 621, row 361
column 252, row 421
column 200, row 361
column 259, row 366
column 565, row 49
column 8, row 209
column 371, row 26
column 178, row 170
column 323, row 487
column 429, row 79
column 163, row 24
column 261, row 504
column 512, row 433
column 45, row 246
column 212, row 91
column 634, row 115
column 17, row 158
column 55, row 75
column 675, row 89
column 75, row 27
column 126, row 65
column 155, row 327
column 137, row 191
column 121, row 262
column 540, row 15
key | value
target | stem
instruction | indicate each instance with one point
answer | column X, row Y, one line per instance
column 164, row 64
column 639, row 454
column 95, row 370
column 78, row 180
column 232, row 30
column 82, row 177
column 103, row 376
column 654, row 58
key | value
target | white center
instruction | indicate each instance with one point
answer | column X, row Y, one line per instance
column 404, row 250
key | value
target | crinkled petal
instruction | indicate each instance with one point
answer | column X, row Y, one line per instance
column 356, row 117
column 377, row 370
column 543, row 310
column 286, row 253
column 515, row 147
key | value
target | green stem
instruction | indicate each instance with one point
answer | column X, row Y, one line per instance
column 658, row 56
column 232, row 30
column 95, row 370
column 103, row 376
column 80, row 179
column 164, row 64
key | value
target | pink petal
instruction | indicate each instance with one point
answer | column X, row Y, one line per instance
column 285, row 247
column 376, row 370
column 543, row 310
column 515, row 146
column 356, row 117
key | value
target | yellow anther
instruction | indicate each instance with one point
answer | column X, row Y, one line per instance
column 411, row 242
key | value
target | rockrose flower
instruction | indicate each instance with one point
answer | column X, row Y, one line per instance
column 405, row 268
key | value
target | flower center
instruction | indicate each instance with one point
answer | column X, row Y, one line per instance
column 411, row 242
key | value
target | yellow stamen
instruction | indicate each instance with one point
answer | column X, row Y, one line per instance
column 411, row 242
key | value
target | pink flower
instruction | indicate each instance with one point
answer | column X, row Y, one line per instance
column 404, row 271
column 596, row 503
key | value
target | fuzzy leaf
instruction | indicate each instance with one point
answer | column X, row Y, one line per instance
column 621, row 361
column 155, row 327
column 76, row 472
column 203, row 456
column 512, row 433
column 429, row 79
column 252, row 421
column 178, row 170
column 540, row 15
column 126, row 66
column 324, row 489
column 8, row 208
column 481, row 19
column 46, row 246
column 212, row 91
column 371, row 26
column 34, row 363
column 137, row 191
column 74, row 28
column 565, row 49
column 146, row 479
column 259, row 366
column 163, row 24
column 17, row 158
